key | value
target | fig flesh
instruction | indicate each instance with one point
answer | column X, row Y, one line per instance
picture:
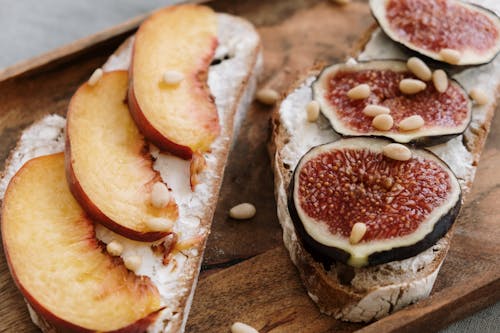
column 405, row 206
column 431, row 26
column 445, row 115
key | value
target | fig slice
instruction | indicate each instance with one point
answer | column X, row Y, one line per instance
column 445, row 115
column 430, row 26
column 405, row 206
column 60, row 267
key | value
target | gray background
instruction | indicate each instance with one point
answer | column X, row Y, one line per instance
column 29, row 28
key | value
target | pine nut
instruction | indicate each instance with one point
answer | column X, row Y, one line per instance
column 242, row 328
column 188, row 243
column 397, row 152
column 419, row 68
column 267, row 96
column 450, row 56
column 133, row 263
column 357, row 232
column 114, row 248
column 95, row 77
column 373, row 110
column 383, row 122
column 479, row 96
column 173, row 77
column 242, row 211
column 351, row 62
column 312, row 109
column 411, row 123
column 159, row 224
column 411, row 86
column 361, row 91
column 341, row 2
column 198, row 163
column 440, row 80
column 160, row 196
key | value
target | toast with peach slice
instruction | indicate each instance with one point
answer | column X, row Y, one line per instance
column 171, row 264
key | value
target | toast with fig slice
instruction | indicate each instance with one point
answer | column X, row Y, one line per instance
column 132, row 198
column 366, row 234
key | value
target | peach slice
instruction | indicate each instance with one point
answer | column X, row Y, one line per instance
column 169, row 97
column 109, row 169
column 57, row 263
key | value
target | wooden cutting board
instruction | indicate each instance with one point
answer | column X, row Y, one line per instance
column 247, row 275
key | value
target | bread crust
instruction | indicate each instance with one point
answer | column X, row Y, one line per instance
column 242, row 101
column 344, row 300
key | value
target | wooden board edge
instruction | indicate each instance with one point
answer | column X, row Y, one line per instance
column 66, row 52
column 441, row 309
column 486, row 294
column 428, row 315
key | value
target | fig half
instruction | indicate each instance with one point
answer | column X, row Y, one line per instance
column 431, row 26
column 445, row 115
column 404, row 207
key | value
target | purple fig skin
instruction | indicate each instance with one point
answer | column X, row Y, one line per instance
column 329, row 255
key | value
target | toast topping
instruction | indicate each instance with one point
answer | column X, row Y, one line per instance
column 419, row 68
column 450, row 56
column 479, row 96
column 357, row 186
column 394, row 89
column 357, row 232
column 95, row 77
column 396, row 152
column 133, row 262
column 173, row 77
column 411, row 86
column 441, row 24
column 355, row 193
column 160, row 224
column 312, row 110
column 361, row 91
column 411, row 123
column 101, row 132
column 64, row 264
column 455, row 32
column 401, row 197
column 383, row 122
column 373, row 110
column 169, row 97
column 160, row 196
column 440, row 80
column 114, row 248
column 197, row 165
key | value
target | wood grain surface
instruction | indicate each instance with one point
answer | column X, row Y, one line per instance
column 262, row 287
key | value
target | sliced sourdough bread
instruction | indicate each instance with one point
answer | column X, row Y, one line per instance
column 366, row 294
column 232, row 80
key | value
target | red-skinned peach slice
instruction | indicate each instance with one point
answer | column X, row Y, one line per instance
column 109, row 170
column 58, row 264
column 178, row 117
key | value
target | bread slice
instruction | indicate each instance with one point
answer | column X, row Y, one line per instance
column 232, row 80
column 372, row 292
